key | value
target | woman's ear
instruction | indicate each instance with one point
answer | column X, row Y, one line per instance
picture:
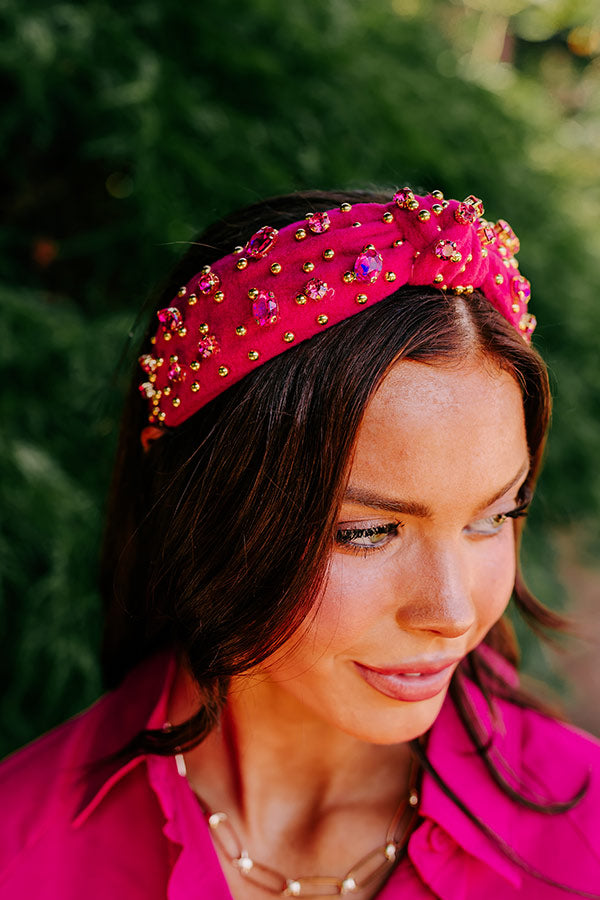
column 150, row 434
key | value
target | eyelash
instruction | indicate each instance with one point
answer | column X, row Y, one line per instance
column 344, row 536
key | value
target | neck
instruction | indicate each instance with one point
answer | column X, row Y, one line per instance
column 275, row 765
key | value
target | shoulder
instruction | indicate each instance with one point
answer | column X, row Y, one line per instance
column 47, row 787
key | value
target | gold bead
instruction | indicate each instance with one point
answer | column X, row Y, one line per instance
column 308, row 266
column 361, row 298
column 300, row 234
column 253, row 293
column 167, row 336
column 192, row 300
column 182, row 292
column 301, row 299
column 173, row 359
column 162, row 416
column 456, row 257
column 369, row 247
column 424, row 215
column 195, row 387
column 388, row 217
column 176, row 402
column 412, row 204
column 253, row 355
column 167, row 391
column 356, row 224
column 444, row 287
column 156, row 398
column 275, row 268
column 437, row 209
column 289, row 337
column 438, row 195
column 345, row 207
column 223, row 371
column 205, row 270
column 195, row 365
column 413, row 798
column 398, row 243
column 484, row 253
column 515, row 307
column 348, row 277
column 469, row 258
column 241, row 263
column 499, row 279
column 439, row 278
column 390, row 276
column 468, row 288
column 219, row 297
column 241, row 330
column 182, row 331
column 322, row 319
column 238, row 249
column 153, row 339
column 328, row 254
column 458, row 289
column 152, row 377
column 203, row 328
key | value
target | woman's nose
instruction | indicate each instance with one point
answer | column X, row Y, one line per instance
column 439, row 599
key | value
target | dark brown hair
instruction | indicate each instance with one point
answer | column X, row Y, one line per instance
column 218, row 537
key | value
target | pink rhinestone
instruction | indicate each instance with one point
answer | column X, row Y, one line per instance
column 486, row 234
column 261, row 242
column 147, row 389
column 264, row 308
column 170, row 318
column 520, row 289
column 315, row 289
column 445, row 249
column 401, row 198
column 507, row 237
column 208, row 283
column 318, row 222
column 207, row 346
column 148, row 363
column 368, row 265
column 468, row 211
column 175, row 372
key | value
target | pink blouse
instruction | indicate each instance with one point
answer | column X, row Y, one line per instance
column 135, row 831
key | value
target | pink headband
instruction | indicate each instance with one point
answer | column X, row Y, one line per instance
column 285, row 286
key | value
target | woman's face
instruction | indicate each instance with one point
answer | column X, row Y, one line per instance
column 424, row 560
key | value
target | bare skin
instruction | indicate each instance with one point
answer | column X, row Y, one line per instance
column 311, row 760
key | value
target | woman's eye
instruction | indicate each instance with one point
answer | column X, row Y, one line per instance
column 489, row 525
column 366, row 539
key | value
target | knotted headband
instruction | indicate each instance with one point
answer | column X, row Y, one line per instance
column 286, row 286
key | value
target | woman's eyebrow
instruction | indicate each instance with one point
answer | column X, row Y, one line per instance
column 373, row 500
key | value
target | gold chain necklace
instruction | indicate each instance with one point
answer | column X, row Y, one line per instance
column 360, row 875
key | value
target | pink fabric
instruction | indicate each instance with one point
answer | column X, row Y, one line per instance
column 136, row 831
column 209, row 337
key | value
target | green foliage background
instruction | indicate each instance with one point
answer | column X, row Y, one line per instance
column 132, row 126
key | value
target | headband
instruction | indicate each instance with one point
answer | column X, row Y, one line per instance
column 286, row 286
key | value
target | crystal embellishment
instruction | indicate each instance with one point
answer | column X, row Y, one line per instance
column 520, row 289
column 469, row 210
column 261, row 242
column 486, row 234
column 315, row 289
column 264, row 308
column 207, row 346
column 447, row 250
column 175, row 373
column 148, row 363
column 208, row 282
column 368, row 265
column 170, row 318
column 403, row 198
column 506, row 237
column 318, row 222
column 147, row 390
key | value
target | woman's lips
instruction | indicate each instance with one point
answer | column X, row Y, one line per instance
column 402, row 685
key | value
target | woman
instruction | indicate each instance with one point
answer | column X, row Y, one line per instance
column 311, row 543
